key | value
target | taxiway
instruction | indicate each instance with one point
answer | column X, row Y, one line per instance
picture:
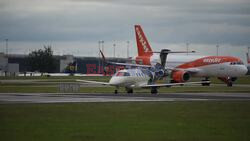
column 86, row 97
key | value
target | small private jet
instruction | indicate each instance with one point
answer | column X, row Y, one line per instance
column 138, row 76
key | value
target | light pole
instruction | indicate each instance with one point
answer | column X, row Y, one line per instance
column 102, row 42
column 187, row 46
column 127, row 49
column 6, row 46
column 102, row 46
column 99, row 64
column 114, row 49
column 217, row 50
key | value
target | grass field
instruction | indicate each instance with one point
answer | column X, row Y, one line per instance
column 50, row 85
column 134, row 121
column 180, row 89
column 241, row 80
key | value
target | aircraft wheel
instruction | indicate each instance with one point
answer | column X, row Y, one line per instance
column 172, row 81
column 205, row 84
column 154, row 91
column 230, row 84
column 129, row 91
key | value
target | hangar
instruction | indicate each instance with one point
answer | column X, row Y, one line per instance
column 13, row 64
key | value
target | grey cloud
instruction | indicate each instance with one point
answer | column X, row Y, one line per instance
column 90, row 20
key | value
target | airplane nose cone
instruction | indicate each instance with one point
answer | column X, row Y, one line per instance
column 244, row 70
column 114, row 81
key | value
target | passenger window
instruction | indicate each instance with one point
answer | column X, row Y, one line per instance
column 126, row 74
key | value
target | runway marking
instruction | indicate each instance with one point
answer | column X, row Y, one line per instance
column 66, row 98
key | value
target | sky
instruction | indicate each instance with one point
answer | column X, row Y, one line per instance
column 76, row 26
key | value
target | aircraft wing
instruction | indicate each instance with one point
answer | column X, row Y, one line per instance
column 123, row 64
column 131, row 65
column 173, row 84
column 93, row 82
column 191, row 70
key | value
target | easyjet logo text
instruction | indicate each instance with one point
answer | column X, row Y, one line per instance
column 141, row 40
column 212, row 60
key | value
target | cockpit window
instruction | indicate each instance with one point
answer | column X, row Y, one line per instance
column 122, row 74
column 237, row 63
column 126, row 74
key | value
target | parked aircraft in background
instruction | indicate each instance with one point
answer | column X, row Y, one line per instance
column 139, row 76
column 225, row 68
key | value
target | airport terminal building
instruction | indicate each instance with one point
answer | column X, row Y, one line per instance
column 14, row 64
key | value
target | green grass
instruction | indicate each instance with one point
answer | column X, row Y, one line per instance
column 240, row 80
column 147, row 121
column 181, row 89
column 50, row 84
column 27, row 89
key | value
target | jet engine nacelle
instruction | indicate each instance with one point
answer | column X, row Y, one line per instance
column 180, row 76
column 159, row 73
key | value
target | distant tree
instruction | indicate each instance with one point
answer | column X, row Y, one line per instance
column 42, row 60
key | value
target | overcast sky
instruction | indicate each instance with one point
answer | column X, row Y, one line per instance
column 76, row 26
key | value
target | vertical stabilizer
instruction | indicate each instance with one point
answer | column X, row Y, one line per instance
column 248, row 59
column 143, row 46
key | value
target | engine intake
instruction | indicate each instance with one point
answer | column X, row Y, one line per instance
column 180, row 76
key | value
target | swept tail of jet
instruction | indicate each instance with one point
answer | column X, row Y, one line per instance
column 144, row 48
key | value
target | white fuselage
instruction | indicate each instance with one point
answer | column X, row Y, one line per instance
column 218, row 69
column 174, row 60
column 135, row 78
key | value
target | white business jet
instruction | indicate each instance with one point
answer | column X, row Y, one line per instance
column 141, row 76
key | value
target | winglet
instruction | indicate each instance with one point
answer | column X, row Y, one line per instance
column 103, row 57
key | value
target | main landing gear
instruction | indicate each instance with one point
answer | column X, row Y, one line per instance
column 228, row 80
column 204, row 83
column 129, row 90
column 154, row 90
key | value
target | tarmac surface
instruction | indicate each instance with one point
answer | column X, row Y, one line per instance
column 87, row 97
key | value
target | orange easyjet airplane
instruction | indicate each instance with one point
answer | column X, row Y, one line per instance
column 182, row 67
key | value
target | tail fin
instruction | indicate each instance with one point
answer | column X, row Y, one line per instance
column 143, row 46
column 248, row 59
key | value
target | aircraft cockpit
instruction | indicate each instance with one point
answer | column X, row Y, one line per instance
column 237, row 63
column 122, row 74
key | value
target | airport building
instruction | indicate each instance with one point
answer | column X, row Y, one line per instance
column 8, row 68
column 13, row 64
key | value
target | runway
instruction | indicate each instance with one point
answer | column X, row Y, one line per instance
column 86, row 97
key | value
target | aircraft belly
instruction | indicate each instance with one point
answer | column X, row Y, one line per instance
column 217, row 70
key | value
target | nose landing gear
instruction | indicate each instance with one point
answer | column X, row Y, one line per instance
column 154, row 90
